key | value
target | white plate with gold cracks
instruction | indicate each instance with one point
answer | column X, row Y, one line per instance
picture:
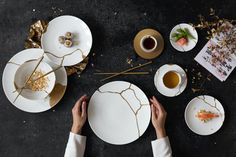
column 82, row 40
column 158, row 80
column 119, row 112
column 32, row 106
column 207, row 103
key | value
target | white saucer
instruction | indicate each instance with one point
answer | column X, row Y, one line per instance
column 56, row 51
column 208, row 103
column 159, row 83
column 119, row 112
column 192, row 42
column 33, row 106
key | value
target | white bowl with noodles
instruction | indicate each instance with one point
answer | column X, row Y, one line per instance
column 34, row 89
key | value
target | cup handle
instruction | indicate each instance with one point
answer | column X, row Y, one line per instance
column 183, row 77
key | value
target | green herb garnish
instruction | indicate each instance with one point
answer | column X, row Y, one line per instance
column 182, row 33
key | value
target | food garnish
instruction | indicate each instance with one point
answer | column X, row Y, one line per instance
column 181, row 36
column 68, row 43
column 38, row 84
column 67, row 39
column 206, row 116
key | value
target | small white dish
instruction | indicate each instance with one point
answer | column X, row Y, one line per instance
column 208, row 103
column 158, row 80
column 119, row 112
column 191, row 42
column 27, row 105
column 24, row 72
column 57, row 52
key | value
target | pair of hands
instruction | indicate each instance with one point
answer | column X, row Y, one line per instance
column 158, row 116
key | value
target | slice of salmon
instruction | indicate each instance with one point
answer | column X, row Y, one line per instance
column 182, row 41
column 206, row 115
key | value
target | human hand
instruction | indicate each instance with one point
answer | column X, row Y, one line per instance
column 158, row 117
column 79, row 115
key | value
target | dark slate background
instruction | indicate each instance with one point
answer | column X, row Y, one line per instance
column 114, row 25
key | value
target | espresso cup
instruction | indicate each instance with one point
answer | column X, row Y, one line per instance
column 148, row 43
column 172, row 79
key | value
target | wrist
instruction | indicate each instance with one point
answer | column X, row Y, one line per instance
column 160, row 133
column 76, row 130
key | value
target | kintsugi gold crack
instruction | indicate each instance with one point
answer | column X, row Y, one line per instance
column 13, row 63
column 130, row 106
column 40, row 60
column 204, row 100
column 63, row 57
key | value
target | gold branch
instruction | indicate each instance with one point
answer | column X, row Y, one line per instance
column 28, row 78
column 120, row 73
column 127, row 73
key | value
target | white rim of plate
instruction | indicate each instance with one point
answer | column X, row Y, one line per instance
column 32, row 106
column 193, row 42
column 216, row 106
column 159, row 84
column 59, row 54
column 118, row 89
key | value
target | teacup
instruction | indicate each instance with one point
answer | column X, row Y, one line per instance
column 148, row 43
column 172, row 79
column 24, row 72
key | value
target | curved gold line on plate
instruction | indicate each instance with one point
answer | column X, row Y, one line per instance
column 214, row 106
column 130, row 106
column 56, row 94
column 10, row 62
column 32, row 60
column 68, row 54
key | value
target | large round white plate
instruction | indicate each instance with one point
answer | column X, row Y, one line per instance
column 22, row 103
column 207, row 103
column 160, row 85
column 57, row 52
column 191, row 43
column 119, row 112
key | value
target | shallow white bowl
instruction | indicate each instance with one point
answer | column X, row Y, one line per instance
column 25, row 70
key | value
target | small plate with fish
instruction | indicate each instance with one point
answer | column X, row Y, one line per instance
column 204, row 115
column 183, row 37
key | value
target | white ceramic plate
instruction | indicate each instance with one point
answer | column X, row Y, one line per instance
column 26, row 104
column 119, row 112
column 191, row 43
column 207, row 103
column 160, row 85
column 56, row 51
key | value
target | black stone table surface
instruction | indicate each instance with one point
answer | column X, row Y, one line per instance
column 114, row 25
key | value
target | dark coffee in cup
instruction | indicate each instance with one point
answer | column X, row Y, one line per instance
column 148, row 43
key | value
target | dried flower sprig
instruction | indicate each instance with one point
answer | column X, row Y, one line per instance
column 224, row 31
column 213, row 25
